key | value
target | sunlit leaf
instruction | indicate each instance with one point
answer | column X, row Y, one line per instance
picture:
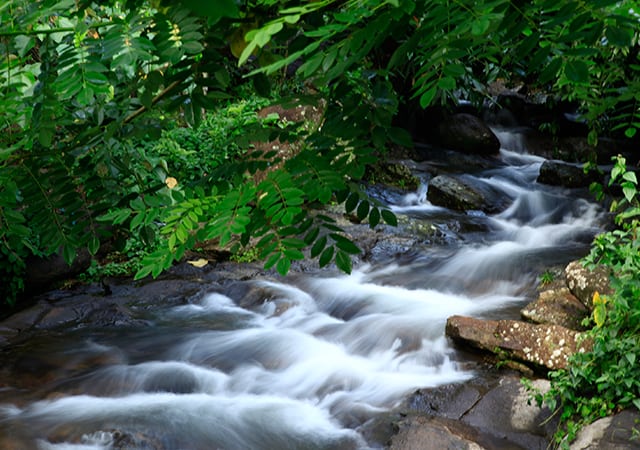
column 200, row 262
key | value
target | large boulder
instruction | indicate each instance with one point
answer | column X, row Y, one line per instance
column 538, row 345
column 467, row 133
column 584, row 283
column 462, row 194
column 556, row 307
column 557, row 173
column 618, row 432
column 492, row 413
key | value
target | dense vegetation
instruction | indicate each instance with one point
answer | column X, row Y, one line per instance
column 87, row 89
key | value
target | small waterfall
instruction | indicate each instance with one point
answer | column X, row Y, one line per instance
column 315, row 357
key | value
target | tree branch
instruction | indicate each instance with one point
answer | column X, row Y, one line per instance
column 155, row 100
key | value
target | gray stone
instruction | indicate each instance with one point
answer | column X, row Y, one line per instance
column 505, row 413
column 557, row 173
column 584, row 283
column 468, row 133
column 557, row 307
column 618, row 432
column 461, row 194
column 432, row 433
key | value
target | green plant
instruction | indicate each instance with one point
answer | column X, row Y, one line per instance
column 605, row 379
column 84, row 83
column 246, row 256
column 547, row 277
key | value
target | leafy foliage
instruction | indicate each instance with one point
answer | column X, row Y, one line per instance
column 88, row 87
column 605, row 379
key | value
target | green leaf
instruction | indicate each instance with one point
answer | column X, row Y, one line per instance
column 136, row 221
column 283, row 266
column 351, row 203
column 400, row 136
column 343, row 262
column 630, row 176
column 326, row 256
column 312, row 235
column 273, row 259
column 551, row 71
column 480, row 25
column 576, row 71
column 630, row 132
column 447, row 83
column 94, row 245
column 144, row 271
column 631, row 357
column 389, row 217
column 318, row 246
column 374, row 217
column 629, row 191
column 69, row 253
column 427, row 97
column 345, row 244
column 619, row 36
column 363, row 210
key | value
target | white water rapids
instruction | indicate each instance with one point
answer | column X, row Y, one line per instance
column 323, row 354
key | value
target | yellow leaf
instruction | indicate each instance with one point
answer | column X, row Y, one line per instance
column 599, row 309
column 198, row 262
column 171, row 182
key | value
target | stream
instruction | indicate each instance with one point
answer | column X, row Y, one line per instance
column 318, row 356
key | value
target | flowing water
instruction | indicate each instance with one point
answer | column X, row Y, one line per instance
column 319, row 355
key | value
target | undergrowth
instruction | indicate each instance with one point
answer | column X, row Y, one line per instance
column 606, row 379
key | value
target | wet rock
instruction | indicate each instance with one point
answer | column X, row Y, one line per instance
column 437, row 160
column 394, row 174
column 431, row 433
column 539, row 345
column 556, row 307
column 493, row 413
column 451, row 401
column 468, row 133
column 507, row 413
column 556, row 173
column 584, row 283
column 42, row 273
column 618, row 432
column 462, row 194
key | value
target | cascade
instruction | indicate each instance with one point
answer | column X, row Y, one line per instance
column 322, row 355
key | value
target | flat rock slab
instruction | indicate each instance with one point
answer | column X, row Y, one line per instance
column 489, row 413
column 540, row 345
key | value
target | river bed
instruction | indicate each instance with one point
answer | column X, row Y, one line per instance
column 304, row 362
